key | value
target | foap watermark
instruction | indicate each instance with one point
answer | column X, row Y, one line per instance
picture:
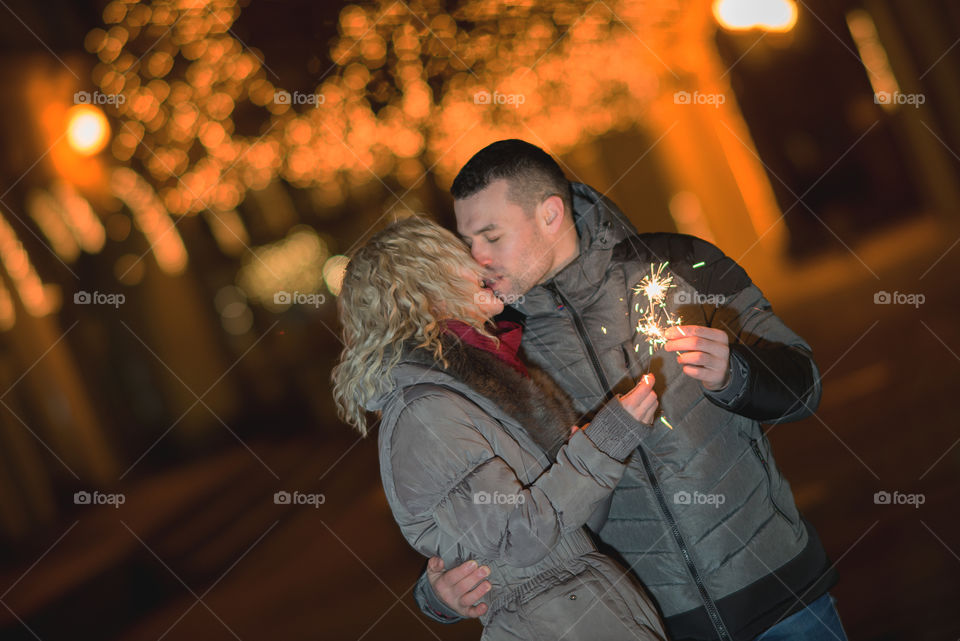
column 698, row 498
column 498, row 498
column 298, row 498
column 298, row 298
column 482, row 298
column 497, row 98
column 898, row 98
column 898, row 298
column 697, row 98
column 899, row 498
column 97, row 98
column 98, row 298
column 282, row 97
column 696, row 298
column 98, row 498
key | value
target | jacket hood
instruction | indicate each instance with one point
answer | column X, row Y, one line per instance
column 600, row 226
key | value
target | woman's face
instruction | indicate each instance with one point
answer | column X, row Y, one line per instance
column 483, row 297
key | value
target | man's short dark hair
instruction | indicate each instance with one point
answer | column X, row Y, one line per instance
column 532, row 174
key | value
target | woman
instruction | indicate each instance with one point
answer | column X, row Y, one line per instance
column 477, row 455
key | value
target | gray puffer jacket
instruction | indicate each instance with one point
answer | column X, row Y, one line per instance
column 702, row 515
column 476, row 464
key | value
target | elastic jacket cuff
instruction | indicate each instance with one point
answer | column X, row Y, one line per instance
column 614, row 431
column 430, row 604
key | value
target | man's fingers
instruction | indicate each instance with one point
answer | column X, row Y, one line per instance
column 682, row 331
column 711, row 377
column 474, row 595
column 701, row 359
column 477, row 610
column 460, row 587
column 471, row 579
column 457, row 574
column 696, row 344
column 435, row 565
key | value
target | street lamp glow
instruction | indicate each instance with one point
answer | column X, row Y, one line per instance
column 769, row 15
column 87, row 129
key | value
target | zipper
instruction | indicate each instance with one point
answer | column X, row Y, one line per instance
column 763, row 462
column 584, row 338
column 711, row 607
column 712, row 610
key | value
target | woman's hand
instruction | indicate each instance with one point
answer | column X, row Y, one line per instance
column 641, row 402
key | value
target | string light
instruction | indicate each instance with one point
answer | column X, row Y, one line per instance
column 411, row 88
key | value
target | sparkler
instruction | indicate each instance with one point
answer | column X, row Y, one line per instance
column 656, row 318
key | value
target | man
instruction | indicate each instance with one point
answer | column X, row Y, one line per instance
column 702, row 516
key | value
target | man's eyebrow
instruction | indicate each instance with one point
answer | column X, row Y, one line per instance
column 482, row 230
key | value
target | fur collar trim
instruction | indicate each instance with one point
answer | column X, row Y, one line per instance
column 536, row 402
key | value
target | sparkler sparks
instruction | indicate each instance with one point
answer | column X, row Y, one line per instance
column 657, row 318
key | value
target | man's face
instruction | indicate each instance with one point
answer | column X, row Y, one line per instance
column 507, row 242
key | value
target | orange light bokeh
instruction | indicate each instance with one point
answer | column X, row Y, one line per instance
column 769, row 15
column 87, row 129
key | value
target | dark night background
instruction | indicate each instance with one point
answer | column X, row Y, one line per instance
column 199, row 396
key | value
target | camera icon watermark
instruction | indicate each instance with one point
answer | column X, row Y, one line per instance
column 298, row 298
column 298, row 498
column 898, row 98
column 98, row 498
column 696, row 298
column 898, row 298
column 697, row 98
column 899, row 498
column 98, row 298
column 282, row 97
column 498, row 498
column 698, row 498
column 485, row 298
column 97, row 98
column 497, row 98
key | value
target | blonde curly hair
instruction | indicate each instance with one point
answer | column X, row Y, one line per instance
column 398, row 287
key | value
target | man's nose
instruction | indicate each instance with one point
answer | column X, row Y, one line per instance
column 480, row 255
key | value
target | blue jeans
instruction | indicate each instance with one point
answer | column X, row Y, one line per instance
column 818, row 621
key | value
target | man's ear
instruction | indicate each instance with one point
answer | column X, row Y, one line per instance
column 551, row 214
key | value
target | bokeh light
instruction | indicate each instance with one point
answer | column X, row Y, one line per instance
column 768, row 15
column 87, row 129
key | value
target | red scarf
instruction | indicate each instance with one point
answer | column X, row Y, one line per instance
column 509, row 334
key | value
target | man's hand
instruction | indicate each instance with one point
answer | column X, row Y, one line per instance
column 461, row 587
column 705, row 353
column 641, row 402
